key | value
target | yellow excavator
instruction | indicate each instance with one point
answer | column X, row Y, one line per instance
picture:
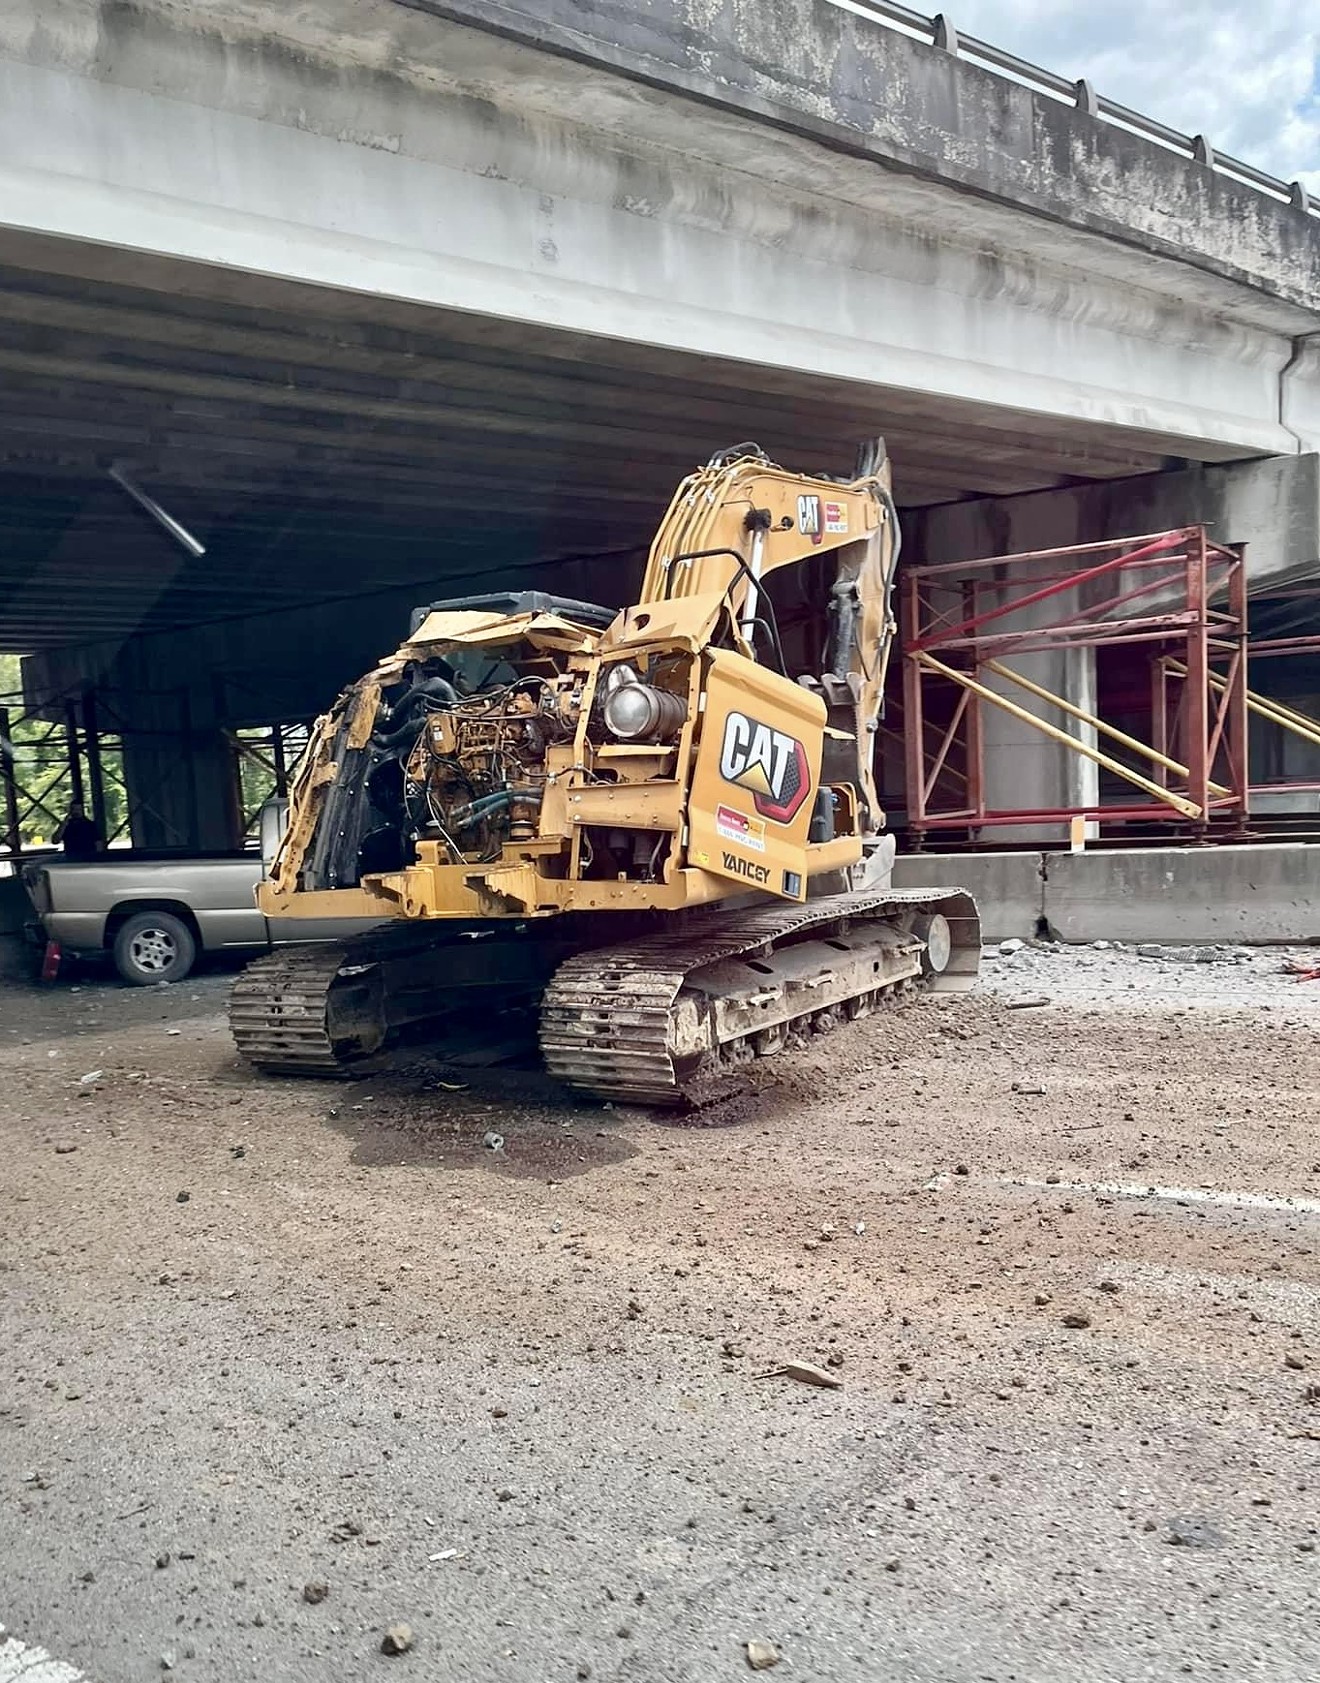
column 662, row 822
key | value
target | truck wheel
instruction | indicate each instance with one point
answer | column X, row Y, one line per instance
column 154, row 947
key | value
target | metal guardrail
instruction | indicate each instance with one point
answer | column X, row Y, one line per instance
column 939, row 31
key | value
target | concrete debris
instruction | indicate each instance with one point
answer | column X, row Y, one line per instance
column 1194, row 1531
column 806, row 1373
column 315, row 1593
column 1193, row 955
column 762, row 1655
column 91, row 1076
column 1008, row 948
column 397, row 1639
column 1028, row 1003
column 1077, row 1319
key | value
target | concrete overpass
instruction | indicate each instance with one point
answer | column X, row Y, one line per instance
column 383, row 298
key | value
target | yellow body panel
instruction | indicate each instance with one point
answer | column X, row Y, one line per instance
column 755, row 777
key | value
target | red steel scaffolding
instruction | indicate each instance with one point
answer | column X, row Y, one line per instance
column 1177, row 594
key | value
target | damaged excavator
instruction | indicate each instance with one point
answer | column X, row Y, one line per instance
column 661, row 822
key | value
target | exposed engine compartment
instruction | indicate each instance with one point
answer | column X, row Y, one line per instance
column 462, row 746
column 475, row 775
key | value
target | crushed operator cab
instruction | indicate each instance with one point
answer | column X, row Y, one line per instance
column 532, row 768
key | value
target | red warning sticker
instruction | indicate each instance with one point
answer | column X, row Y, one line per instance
column 739, row 827
column 836, row 517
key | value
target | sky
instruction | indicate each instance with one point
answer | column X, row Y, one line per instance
column 1245, row 73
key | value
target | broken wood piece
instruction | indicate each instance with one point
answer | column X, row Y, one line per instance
column 806, row 1373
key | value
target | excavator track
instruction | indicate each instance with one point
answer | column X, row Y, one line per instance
column 320, row 1008
column 662, row 1019
column 290, row 1011
column 665, row 1020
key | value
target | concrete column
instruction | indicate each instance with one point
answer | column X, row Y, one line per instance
column 1079, row 687
column 1023, row 766
column 181, row 789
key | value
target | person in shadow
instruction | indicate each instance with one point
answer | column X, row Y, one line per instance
column 78, row 836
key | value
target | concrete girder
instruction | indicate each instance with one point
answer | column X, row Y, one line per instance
column 954, row 465
column 449, row 459
column 547, row 220
column 417, row 361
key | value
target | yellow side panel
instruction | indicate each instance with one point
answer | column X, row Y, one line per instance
column 757, row 774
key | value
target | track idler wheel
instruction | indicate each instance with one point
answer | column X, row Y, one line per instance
column 933, row 929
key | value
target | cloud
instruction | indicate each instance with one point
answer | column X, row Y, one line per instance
column 1244, row 73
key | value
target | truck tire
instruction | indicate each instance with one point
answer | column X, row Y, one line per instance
column 153, row 947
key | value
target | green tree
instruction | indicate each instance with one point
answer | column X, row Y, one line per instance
column 41, row 767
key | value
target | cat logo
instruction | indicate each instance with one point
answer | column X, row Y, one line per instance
column 769, row 763
column 809, row 516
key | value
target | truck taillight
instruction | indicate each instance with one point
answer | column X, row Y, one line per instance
column 37, row 882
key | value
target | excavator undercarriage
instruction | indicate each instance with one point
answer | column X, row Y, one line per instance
column 663, row 1018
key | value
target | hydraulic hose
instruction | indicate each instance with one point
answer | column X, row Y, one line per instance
column 429, row 689
column 462, row 816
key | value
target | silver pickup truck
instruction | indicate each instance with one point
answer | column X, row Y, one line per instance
column 155, row 914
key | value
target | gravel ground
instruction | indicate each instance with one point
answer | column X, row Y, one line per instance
column 1105, row 972
column 266, row 1337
